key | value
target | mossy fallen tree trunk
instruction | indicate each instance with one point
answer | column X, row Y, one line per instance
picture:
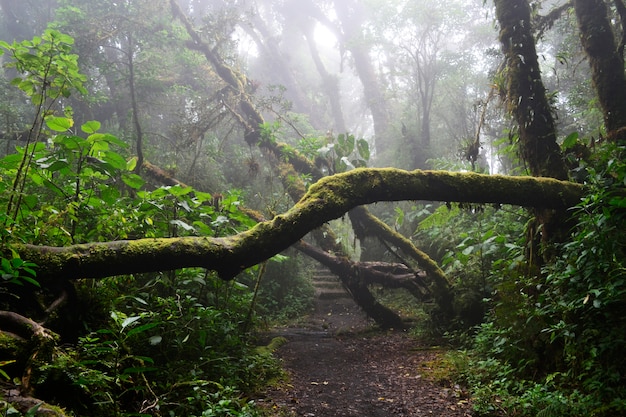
column 328, row 199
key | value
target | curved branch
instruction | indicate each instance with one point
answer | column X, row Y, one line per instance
column 328, row 199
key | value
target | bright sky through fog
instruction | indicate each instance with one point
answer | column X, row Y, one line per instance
column 324, row 37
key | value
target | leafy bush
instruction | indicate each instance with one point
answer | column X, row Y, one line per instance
column 553, row 342
column 286, row 290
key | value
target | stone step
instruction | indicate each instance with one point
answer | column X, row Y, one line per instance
column 332, row 294
column 324, row 277
column 327, row 284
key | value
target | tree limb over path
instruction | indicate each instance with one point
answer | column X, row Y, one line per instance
column 328, row 199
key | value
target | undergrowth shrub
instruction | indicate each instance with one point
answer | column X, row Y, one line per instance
column 553, row 342
column 286, row 290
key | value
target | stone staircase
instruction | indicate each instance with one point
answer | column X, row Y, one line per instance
column 335, row 310
column 327, row 286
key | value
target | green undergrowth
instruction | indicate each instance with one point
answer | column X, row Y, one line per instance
column 551, row 343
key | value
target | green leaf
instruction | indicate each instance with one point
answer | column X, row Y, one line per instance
column 239, row 285
column 53, row 187
column 30, row 280
column 57, row 166
column 59, row 124
column 30, row 201
column 133, row 180
column 109, row 195
column 350, row 144
column 618, row 202
column 115, row 160
column 468, row 250
column 32, row 412
column 69, row 142
column 179, row 191
column 114, row 140
column 129, row 320
column 278, row 258
column 570, row 140
column 182, row 224
column 5, row 264
column 203, row 229
column 131, row 163
column 142, row 328
column 98, row 138
column 36, row 99
column 363, row 147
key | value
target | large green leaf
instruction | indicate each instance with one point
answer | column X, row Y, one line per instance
column 115, row 160
column 90, row 127
column 59, row 124
column 133, row 180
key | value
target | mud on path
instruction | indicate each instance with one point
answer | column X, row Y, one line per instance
column 339, row 365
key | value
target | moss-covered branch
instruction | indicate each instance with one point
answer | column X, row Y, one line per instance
column 328, row 199
column 430, row 267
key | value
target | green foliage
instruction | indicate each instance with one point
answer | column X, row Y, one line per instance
column 343, row 153
column 585, row 291
column 17, row 271
column 552, row 344
column 286, row 292
column 172, row 344
column 50, row 69
column 49, row 74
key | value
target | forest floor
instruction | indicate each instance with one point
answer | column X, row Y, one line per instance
column 340, row 365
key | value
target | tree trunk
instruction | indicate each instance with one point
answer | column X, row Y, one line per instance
column 607, row 66
column 330, row 83
column 526, row 92
column 365, row 224
column 350, row 16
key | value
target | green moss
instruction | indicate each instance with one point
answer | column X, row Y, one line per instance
column 10, row 347
column 272, row 346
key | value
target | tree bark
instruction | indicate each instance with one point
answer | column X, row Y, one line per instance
column 363, row 220
column 526, row 92
column 363, row 274
column 328, row 199
column 607, row 66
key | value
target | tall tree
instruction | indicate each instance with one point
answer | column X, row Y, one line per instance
column 607, row 65
column 526, row 94
column 351, row 15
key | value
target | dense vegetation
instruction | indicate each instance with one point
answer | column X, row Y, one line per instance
column 125, row 120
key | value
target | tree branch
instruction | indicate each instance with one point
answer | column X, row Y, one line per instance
column 328, row 199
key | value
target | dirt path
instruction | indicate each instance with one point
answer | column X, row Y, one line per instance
column 341, row 366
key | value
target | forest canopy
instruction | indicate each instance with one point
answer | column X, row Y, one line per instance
column 198, row 156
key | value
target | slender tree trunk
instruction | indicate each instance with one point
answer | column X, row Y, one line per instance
column 607, row 66
column 350, row 16
column 330, row 83
column 133, row 101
